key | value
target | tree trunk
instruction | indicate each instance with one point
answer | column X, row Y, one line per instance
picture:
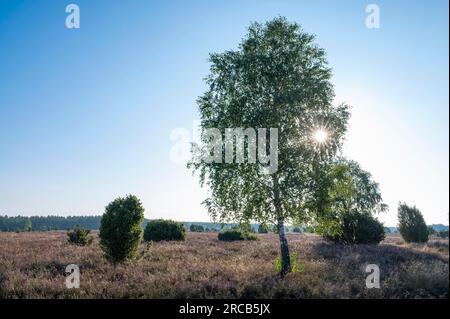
column 284, row 248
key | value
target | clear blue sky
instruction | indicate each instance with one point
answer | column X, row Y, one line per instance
column 86, row 114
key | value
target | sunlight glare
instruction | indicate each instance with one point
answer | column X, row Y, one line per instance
column 320, row 136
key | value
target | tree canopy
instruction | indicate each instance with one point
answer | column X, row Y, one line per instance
column 277, row 78
column 342, row 188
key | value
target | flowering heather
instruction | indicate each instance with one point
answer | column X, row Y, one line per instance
column 32, row 265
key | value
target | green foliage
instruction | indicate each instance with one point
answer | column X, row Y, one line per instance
column 263, row 229
column 17, row 223
column 296, row 264
column 197, row 228
column 442, row 234
column 244, row 227
column 158, row 230
column 358, row 228
column 46, row 223
column 79, row 236
column 120, row 229
column 411, row 225
column 309, row 229
column 27, row 225
column 231, row 235
column 277, row 78
column 344, row 187
column 345, row 197
column 297, row 229
column 236, row 234
column 251, row 236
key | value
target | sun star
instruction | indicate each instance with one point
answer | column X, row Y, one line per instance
column 320, row 136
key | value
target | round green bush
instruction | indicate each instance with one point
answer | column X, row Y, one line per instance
column 236, row 234
column 120, row 229
column 411, row 225
column 263, row 229
column 358, row 228
column 79, row 236
column 296, row 230
column 443, row 234
column 197, row 228
column 231, row 235
column 158, row 230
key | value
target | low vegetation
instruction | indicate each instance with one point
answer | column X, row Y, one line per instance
column 79, row 236
column 196, row 228
column 236, row 234
column 263, row 229
column 32, row 265
column 158, row 230
column 358, row 228
column 296, row 264
column 442, row 234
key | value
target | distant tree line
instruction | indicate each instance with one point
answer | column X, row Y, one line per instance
column 47, row 223
column 44, row 223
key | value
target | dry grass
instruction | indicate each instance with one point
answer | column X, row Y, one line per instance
column 32, row 266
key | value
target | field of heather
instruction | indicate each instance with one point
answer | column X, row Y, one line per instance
column 32, row 265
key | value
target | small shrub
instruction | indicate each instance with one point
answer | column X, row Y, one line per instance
column 197, row 228
column 79, row 236
column 231, row 235
column 250, row 236
column 297, row 230
column 27, row 225
column 411, row 225
column 443, row 234
column 358, row 228
column 235, row 234
column 309, row 230
column 158, row 230
column 263, row 229
column 296, row 264
column 440, row 245
column 120, row 229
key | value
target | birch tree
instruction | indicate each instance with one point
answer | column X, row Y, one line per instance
column 276, row 78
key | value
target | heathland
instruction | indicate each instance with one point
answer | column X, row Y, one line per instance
column 33, row 265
